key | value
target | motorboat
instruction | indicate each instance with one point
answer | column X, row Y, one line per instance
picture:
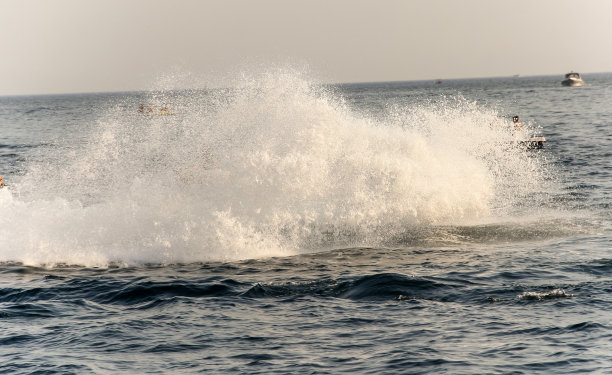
column 534, row 142
column 572, row 79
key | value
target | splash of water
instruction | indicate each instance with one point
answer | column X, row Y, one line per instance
column 274, row 166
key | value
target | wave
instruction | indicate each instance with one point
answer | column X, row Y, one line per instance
column 94, row 292
column 276, row 165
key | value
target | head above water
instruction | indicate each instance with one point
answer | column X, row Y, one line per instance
column 515, row 118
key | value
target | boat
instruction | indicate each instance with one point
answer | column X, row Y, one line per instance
column 534, row 142
column 572, row 79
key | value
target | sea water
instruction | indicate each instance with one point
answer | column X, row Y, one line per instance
column 277, row 224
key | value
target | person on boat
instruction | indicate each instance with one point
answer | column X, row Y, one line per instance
column 517, row 124
column 164, row 111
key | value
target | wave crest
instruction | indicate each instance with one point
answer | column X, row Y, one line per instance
column 274, row 166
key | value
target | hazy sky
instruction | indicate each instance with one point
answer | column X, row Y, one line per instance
column 56, row 46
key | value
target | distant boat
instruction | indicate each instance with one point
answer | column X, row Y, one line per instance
column 572, row 79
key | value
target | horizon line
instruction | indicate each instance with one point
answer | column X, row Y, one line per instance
column 133, row 91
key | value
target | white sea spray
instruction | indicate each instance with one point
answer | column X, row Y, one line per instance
column 275, row 165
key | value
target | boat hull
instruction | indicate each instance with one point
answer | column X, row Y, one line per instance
column 572, row 82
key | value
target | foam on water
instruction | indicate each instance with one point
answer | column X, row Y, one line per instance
column 536, row 296
column 276, row 165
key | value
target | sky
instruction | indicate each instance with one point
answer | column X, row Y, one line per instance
column 71, row 46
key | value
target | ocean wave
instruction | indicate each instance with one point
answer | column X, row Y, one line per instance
column 275, row 166
column 382, row 286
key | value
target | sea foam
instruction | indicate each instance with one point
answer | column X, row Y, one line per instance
column 274, row 165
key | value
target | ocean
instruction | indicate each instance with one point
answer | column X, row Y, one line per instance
column 280, row 225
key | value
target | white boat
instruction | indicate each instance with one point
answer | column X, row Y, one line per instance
column 572, row 79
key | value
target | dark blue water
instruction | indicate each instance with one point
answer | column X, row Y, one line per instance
column 296, row 228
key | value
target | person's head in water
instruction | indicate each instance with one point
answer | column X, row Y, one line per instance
column 515, row 119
